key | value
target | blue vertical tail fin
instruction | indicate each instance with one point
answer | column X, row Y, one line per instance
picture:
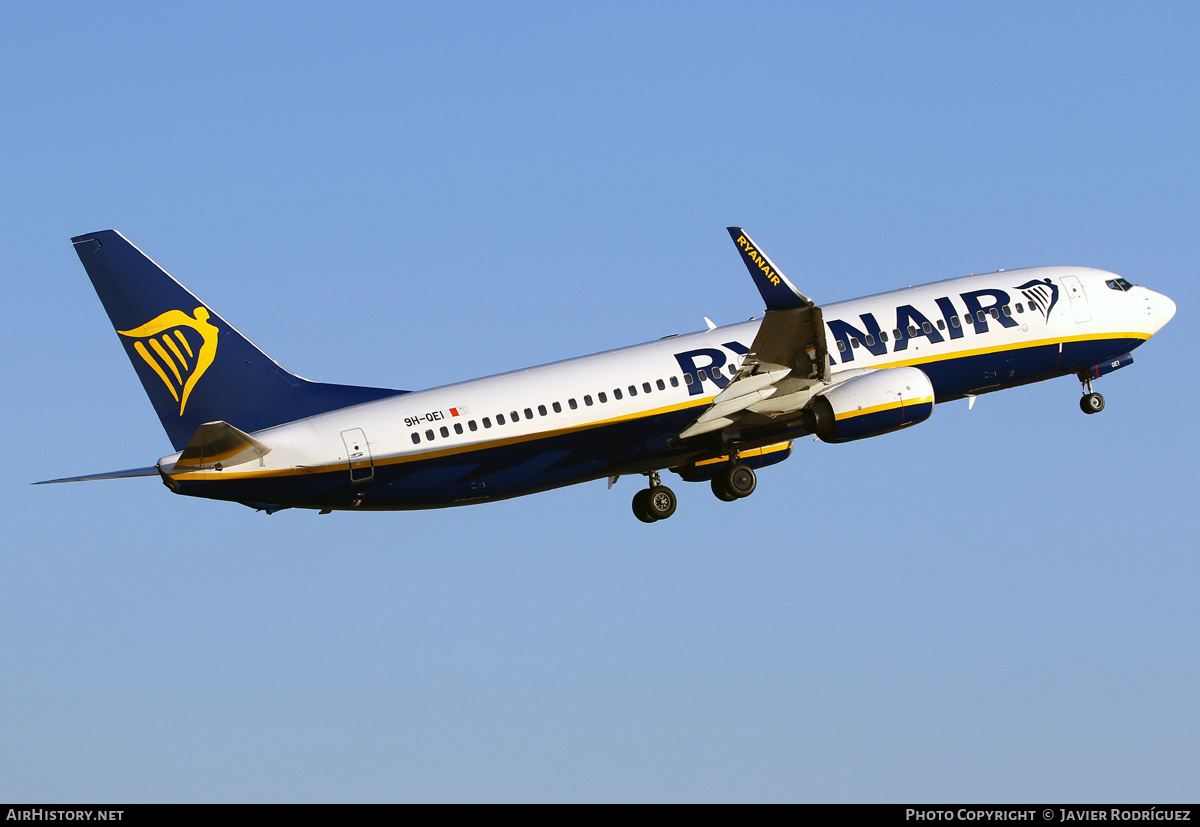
column 195, row 366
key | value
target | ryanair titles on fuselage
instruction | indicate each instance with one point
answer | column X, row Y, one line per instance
column 980, row 308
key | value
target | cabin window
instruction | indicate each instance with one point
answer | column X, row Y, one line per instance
column 994, row 313
column 941, row 324
column 979, row 315
column 573, row 404
column 416, row 438
column 853, row 342
column 662, row 386
column 587, row 400
column 602, row 397
column 633, row 390
column 499, row 419
column 732, row 369
column 883, row 335
column 870, row 340
column 445, row 432
column 458, row 427
column 472, row 425
column 841, row 345
column 487, row 423
column 557, row 407
column 674, row 381
column 429, row 435
column 616, row 394
column 542, row 410
column 1020, row 308
column 516, row 417
column 1006, row 310
column 646, row 386
column 687, row 377
column 529, row 413
column 897, row 335
column 954, row 321
column 927, row 327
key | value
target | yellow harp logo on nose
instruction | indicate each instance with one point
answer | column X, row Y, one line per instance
column 181, row 347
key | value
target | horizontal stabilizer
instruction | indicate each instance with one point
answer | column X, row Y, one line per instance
column 152, row 471
column 219, row 445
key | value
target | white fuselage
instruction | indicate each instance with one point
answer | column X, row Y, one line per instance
column 1075, row 315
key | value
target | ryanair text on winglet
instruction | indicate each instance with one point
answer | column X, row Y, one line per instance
column 759, row 259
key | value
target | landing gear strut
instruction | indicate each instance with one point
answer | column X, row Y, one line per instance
column 1091, row 402
column 654, row 503
column 734, row 483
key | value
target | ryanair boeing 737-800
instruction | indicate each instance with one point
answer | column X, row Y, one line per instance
column 710, row 406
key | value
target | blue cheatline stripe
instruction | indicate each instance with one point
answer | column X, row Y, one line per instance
column 541, row 462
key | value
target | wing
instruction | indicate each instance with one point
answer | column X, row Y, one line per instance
column 788, row 361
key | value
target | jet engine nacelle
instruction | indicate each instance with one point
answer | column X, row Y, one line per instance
column 871, row 404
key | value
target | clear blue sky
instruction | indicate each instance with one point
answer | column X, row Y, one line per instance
column 999, row 605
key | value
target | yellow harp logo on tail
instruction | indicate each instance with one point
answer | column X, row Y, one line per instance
column 174, row 354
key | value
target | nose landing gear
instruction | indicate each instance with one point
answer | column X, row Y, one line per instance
column 1090, row 402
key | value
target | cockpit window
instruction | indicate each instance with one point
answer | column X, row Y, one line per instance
column 1118, row 284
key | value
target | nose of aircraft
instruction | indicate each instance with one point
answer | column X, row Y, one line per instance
column 1165, row 309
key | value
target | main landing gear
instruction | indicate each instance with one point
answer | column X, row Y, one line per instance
column 1090, row 402
column 658, row 502
column 734, row 482
column 654, row 503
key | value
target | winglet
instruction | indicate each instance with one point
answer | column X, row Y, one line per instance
column 776, row 290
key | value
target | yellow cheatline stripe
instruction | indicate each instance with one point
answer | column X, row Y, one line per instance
column 167, row 359
column 171, row 344
column 755, row 452
column 700, row 402
column 887, row 406
column 209, row 459
column 145, row 354
column 962, row 354
column 183, row 340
